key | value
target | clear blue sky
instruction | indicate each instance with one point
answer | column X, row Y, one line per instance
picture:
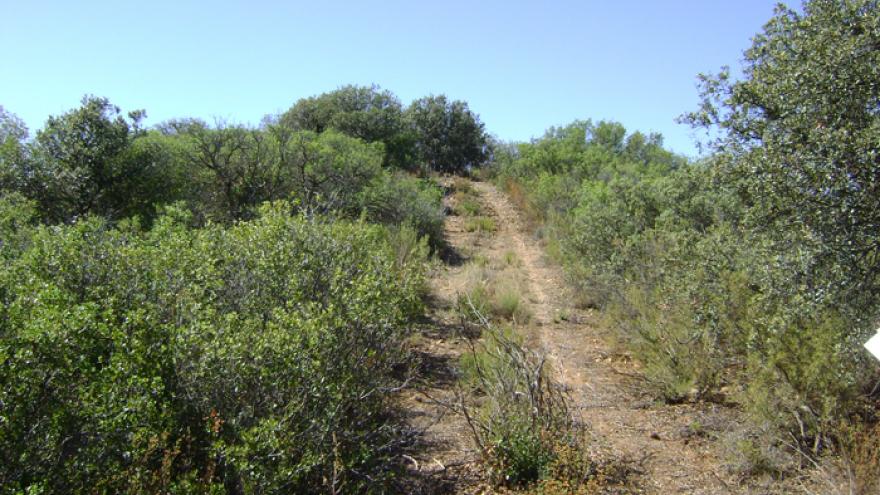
column 523, row 66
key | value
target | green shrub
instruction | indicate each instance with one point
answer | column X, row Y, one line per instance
column 249, row 358
column 688, row 312
column 522, row 415
column 408, row 247
column 801, row 384
column 404, row 200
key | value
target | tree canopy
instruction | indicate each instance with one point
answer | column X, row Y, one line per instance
column 802, row 128
column 364, row 112
column 449, row 137
column 84, row 162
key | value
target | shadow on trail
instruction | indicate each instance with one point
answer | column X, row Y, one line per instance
column 450, row 255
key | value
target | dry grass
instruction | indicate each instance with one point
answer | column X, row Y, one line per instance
column 857, row 469
column 862, row 455
column 507, row 302
column 466, row 205
column 511, row 259
column 520, row 420
column 495, row 293
column 460, row 184
column 480, row 224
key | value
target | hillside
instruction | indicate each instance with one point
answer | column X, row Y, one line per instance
column 364, row 295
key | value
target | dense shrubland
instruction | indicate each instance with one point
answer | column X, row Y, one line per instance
column 342, row 152
column 213, row 308
column 251, row 358
column 750, row 275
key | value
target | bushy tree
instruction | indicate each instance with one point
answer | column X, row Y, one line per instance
column 798, row 138
column 449, row 137
column 13, row 152
column 367, row 113
column 234, row 169
column 230, row 168
column 83, row 162
column 802, row 128
column 593, row 151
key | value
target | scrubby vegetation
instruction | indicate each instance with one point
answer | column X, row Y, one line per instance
column 212, row 308
column 203, row 307
column 247, row 358
column 521, row 418
column 493, row 290
column 750, row 275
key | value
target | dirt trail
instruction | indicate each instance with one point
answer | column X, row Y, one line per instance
column 444, row 460
column 673, row 442
column 676, row 446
